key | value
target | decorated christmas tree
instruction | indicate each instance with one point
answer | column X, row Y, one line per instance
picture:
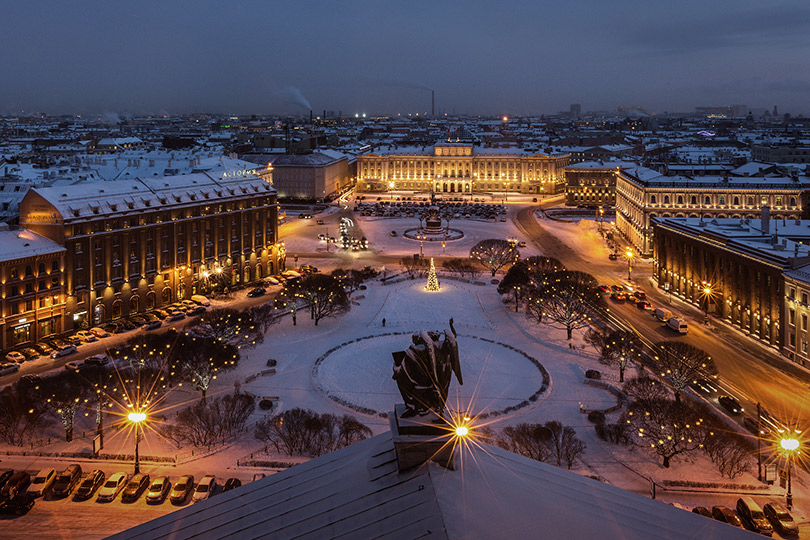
column 433, row 281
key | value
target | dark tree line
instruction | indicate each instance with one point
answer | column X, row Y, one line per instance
column 302, row 432
column 550, row 442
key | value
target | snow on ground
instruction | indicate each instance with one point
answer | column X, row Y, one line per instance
column 361, row 373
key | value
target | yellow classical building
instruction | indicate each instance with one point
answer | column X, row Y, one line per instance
column 449, row 167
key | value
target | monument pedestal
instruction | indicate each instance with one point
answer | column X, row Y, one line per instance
column 419, row 439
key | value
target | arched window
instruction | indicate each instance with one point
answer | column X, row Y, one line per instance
column 247, row 275
column 134, row 303
column 259, row 271
column 41, row 268
column 28, row 271
column 707, row 201
column 680, row 199
column 167, row 296
column 721, row 201
column 98, row 314
column 736, row 201
column 793, row 201
column 694, row 200
column 55, row 266
column 666, row 199
column 116, row 309
column 150, row 300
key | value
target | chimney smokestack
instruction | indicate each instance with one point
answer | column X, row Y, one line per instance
column 310, row 117
column 765, row 222
column 433, row 103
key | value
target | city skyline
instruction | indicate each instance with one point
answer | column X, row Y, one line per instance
column 359, row 57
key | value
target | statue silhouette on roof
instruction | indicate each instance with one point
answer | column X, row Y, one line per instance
column 423, row 372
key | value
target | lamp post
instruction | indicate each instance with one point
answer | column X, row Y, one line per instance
column 421, row 240
column 707, row 292
column 137, row 417
column 629, row 255
column 789, row 446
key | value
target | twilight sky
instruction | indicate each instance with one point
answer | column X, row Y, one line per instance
column 506, row 57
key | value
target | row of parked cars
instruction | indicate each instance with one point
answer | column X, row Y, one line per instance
column 763, row 520
column 18, row 490
column 59, row 347
column 458, row 209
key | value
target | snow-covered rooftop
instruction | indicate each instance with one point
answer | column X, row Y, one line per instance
column 358, row 492
column 25, row 243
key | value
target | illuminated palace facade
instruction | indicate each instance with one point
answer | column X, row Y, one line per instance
column 643, row 194
column 461, row 168
column 135, row 245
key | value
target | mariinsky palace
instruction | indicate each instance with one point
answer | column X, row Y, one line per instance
column 453, row 167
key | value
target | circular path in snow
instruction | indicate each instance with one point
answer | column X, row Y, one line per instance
column 498, row 378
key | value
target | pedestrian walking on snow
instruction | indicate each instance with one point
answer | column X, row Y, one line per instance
column 383, row 321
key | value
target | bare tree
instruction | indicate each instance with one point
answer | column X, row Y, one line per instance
column 415, row 266
column 324, row 296
column 213, row 422
column 645, row 391
column 351, row 278
column 569, row 299
column 264, row 316
column 229, row 325
column 516, row 281
column 198, row 360
column 681, row 363
column 24, row 413
column 619, row 349
column 463, row 267
column 530, row 440
column 494, row 254
column 300, row 432
column 666, row 427
column 572, row 446
column 64, row 394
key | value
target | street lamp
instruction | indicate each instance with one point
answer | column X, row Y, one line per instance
column 421, row 240
column 137, row 417
column 629, row 255
column 789, row 446
column 707, row 292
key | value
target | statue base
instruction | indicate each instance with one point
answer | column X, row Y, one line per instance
column 420, row 439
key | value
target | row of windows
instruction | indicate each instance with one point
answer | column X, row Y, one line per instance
column 722, row 200
column 29, row 271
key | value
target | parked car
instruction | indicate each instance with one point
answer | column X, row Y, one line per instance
column 64, row 351
column 99, row 332
column 152, row 325
column 201, row 300
column 41, row 482
column 135, row 488
column 319, row 222
column 158, row 490
column 726, row 515
column 91, row 483
column 643, row 304
column 138, row 321
column 17, row 505
column 15, row 356
column 393, row 233
column 730, row 404
column 66, row 481
column 30, row 353
column 196, row 310
column 271, row 281
column 86, row 336
column 231, row 483
column 205, row 488
column 258, row 291
column 781, row 519
column 703, row 511
column 97, row 360
column 16, row 484
column 161, row 314
column 752, row 516
column 76, row 365
column 43, row 348
column 111, row 487
column 187, row 304
column 8, row 369
column 181, row 490
column 176, row 316
column 4, row 476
